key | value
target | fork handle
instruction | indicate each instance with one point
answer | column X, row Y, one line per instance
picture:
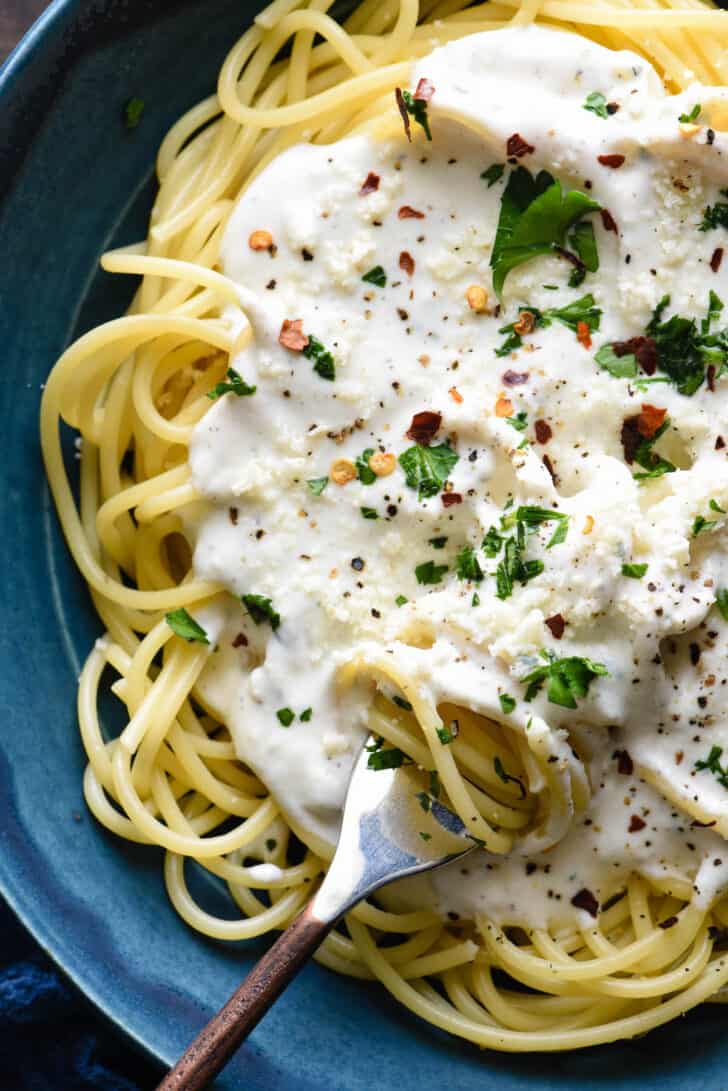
column 216, row 1042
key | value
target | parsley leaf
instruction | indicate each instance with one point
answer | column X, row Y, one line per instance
column 438, row 543
column 261, row 610
column 566, row 679
column 493, row 174
column 417, row 109
column 712, row 763
column 427, row 468
column 401, row 600
column 324, row 361
column 534, row 217
column 533, row 517
column 466, row 565
column 596, row 104
column 392, row 758
column 363, row 470
column 376, row 276
column 182, row 624
column 634, row 571
column 317, row 484
column 715, row 215
column 286, row 716
column 653, row 464
column 721, row 601
column 429, row 572
column 678, row 348
column 583, row 242
column 579, row 310
column 694, row 114
column 306, row 715
column 133, row 110
column 507, row 702
column 621, row 367
column 519, row 422
column 700, row 524
column 492, row 543
column 369, row 513
column 505, row 777
column 234, row 384
column 447, row 735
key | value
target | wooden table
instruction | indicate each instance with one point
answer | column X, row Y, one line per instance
column 15, row 18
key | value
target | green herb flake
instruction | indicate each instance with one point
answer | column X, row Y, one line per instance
column 401, row 600
column 721, row 601
column 323, row 360
column 261, row 610
column 401, row 702
column 466, row 565
column 447, row 735
column 506, row 777
column 493, row 174
column 369, row 513
column 363, row 470
column 438, row 543
column 425, row 836
column 234, row 384
column 519, row 422
column 715, row 506
column 701, row 524
column 584, row 244
column 317, row 485
column 596, row 103
column 392, row 758
column 306, row 715
column 376, row 276
column 621, row 367
column 716, row 215
column 475, row 600
column 712, row 764
column 434, row 783
column 507, row 703
column 634, row 571
column 427, row 468
column 566, row 679
column 424, row 801
column 429, row 572
column 185, row 626
column 286, row 716
column 686, row 119
column 133, row 110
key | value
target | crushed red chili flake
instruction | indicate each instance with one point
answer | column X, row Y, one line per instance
column 614, row 161
column 679, row 755
column 407, row 263
column 710, row 378
column 716, row 259
column 424, row 90
column 543, row 431
column 424, row 427
column 719, row 443
column 643, row 349
column 514, row 378
column 650, row 419
column 584, row 899
column 402, row 107
column 583, row 334
column 517, row 146
column 370, row 184
column 631, row 438
column 450, row 498
column 241, row 641
column 407, row 212
column 625, row 765
column 557, row 625
column 636, row 824
column 292, row 336
column 608, row 220
column 549, row 466
column 669, row 922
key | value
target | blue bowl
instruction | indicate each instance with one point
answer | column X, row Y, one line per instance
column 73, row 182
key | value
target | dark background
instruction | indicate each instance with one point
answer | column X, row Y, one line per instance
column 15, row 18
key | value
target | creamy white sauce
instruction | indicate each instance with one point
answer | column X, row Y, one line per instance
column 401, row 349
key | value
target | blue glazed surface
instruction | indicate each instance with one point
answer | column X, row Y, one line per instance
column 72, row 182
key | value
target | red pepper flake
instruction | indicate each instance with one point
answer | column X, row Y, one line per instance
column 549, row 466
column 636, row 824
column 557, row 625
column 241, row 641
column 608, row 220
column 407, row 212
column 584, row 899
column 625, row 765
column 650, row 419
column 516, row 146
column 455, row 395
column 631, row 438
column 292, row 336
column 424, row 90
column 424, row 427
column 370, row 184
column 407, row 263
column 710, row 378
column 679, row 755
column 543, row 431
column 402, row 107
column 716, row 259
column 613, row 161
column 669, row 922
column 643, row 349
column 719, row 443
column 583, row 334
column 514, row 378
column 450, row 498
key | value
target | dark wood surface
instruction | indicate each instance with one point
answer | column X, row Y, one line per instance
column 15, row 18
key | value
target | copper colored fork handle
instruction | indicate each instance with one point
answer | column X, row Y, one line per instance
column 216, row 1043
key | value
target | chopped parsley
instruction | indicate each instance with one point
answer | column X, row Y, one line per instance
column 694, row 114
column 417, row 110
column 401, row 600
column 286, row 716
column 715, row 506
column 369, row 513
column 185, row 626
column 506, row 777
column 434, row 783
column 580, row 310
column 424, row 801
column 535, row 216
column 233, row 384
column 363, row 470
column 519, row 422
column 653, row 465
column 261, row 610
column 387, row 759
column 323, row 360
column 317, row 485
column 466, row 565
column 493, row 174
column 566, row 679
column 401, row 702
column 596, row 104
column 133, row 110
column 376, row 276
column 721, row 601
column 634, row 571
column 584, row 244
column 427, row 468
column 438, row 543
column 621, row 367
column 507, row 702
column 511, row 539
column 475, row 600
column 700, row 524
column 425, row 836
column 712, row 764
column 429, row 572
column 306, row 715
column 447, row 735
column 715, row 215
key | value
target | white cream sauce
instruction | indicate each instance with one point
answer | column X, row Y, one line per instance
column 415, row 345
